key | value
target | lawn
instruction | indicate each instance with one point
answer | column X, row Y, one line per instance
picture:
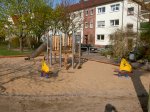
column 4, row 51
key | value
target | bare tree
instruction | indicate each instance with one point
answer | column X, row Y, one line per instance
column 70, row 20
column 120, row 42
column 143, row 4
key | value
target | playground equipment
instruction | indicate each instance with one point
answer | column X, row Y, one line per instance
column 57, row 48
column 125, row 68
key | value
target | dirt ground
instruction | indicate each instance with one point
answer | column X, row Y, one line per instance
column 88, row 89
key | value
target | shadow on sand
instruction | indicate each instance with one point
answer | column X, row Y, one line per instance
column 141, row 92
column 76, row 63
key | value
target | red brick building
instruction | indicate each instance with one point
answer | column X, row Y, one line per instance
column 89, row 26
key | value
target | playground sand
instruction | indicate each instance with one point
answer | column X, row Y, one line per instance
column 74, row 90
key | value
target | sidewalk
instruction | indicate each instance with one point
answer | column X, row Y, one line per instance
column 98, row 58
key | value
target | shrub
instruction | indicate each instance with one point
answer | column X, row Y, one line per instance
column 121, row 46
column 15, row 42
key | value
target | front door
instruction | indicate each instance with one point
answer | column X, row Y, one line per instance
column 86, row 39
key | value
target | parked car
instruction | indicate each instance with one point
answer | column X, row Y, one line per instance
column 87, row 47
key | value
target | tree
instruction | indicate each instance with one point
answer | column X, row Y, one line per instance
column 69, row 20
column 23, row 17
column 2, row 32
column 143, row 4
column 13, row 13
column 120, row 43
column 144, row 45
column 41, row 19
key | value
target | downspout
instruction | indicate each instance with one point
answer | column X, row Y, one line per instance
column 122, row 13
column 137, row 39
column 122, row 19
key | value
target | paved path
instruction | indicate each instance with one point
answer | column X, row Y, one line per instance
column 99, row 58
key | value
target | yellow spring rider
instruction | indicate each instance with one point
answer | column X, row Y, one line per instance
column 45, row 70
column 125, row 68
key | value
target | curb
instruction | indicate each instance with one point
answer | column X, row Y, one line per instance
column 104, row 62
column 16, row 56
column 13, row 56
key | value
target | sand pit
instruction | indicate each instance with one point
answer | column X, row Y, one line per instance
column 94, row 84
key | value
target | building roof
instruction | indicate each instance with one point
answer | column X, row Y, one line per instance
column 90, row 3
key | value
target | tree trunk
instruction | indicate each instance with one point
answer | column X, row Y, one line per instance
column 29, row 43
column 21, row 44
column 39, row 37
column 149, row 18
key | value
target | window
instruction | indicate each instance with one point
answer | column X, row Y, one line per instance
column 114, row 22
column 73, row 15
column 80, row 14
column 80, row 26
column 86, row 25
column 130, row 11
column 86, row 13
column 91, row 24
column 100, row 37
column 101, row 10
column 115, row 7
column 100, row 24
column 91, row 12
column 130, row 27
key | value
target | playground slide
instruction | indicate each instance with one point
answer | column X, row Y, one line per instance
column 39, row 50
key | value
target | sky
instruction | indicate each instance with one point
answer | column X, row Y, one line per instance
column 58, row 1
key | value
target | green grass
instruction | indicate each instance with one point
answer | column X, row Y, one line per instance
column 5, row 52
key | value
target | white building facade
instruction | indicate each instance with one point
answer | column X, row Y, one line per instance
column 112, row 16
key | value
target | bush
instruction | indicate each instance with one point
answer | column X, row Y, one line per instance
column 142, row 52
column 119, row 41
column 4, row 43
column 15, row 42
column 106, row 52
column 2, row 39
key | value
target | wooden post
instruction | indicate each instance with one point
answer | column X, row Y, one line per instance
column 48, row 49
column 60, row 52
column 65, row 60
column 79, row 50
column 51, row 47
column 73, row 42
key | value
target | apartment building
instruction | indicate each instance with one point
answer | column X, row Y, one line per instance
column 117, row 15
column 104, row 17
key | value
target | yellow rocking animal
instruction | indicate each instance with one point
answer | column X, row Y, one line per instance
column 125, row 66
